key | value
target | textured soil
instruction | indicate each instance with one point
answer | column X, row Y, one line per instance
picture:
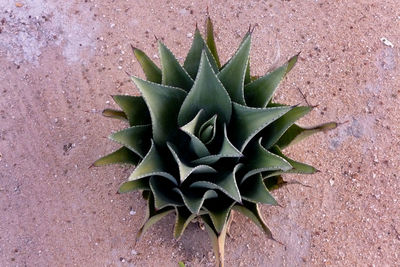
column 61, row 60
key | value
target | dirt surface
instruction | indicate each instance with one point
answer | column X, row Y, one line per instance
column 61, row 60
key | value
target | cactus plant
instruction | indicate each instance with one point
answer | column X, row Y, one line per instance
column 207, row 139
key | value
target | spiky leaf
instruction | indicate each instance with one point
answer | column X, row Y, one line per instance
column 135, row 109
column 233, row 73
column 163, row 103
column 262, row 160
column 254, row 190
column 219, row 213
column 247, row 122
column 297, row 133
column 134, row 138
column 164, row 193
column 259, row 92
column 173, row 74
column 211, row 41
column 192, row 60
column 150, row 69
column 208, row 94
column 185, row 170
column 225, row 183
column 183, row 218
column 152, row 164
column 152, row 216
column 252, row 211
column 122, row 155
column 275, row 130
column 194, row 198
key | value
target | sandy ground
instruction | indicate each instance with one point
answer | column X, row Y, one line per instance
column 61, row 60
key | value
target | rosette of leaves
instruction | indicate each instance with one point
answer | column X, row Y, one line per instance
column 206, row 138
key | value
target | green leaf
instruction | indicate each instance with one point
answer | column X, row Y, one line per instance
column 211, row 42
column 136, row 138
column 207, row 94
column 164, row 103
column 115, row 114
column 194, row 198
column 207, row 130
column 254, row 190
column 183, row 218
column 192, row 60
column 260, row 160
column 140, row 184
column 164, row 193
column 193, row 126
column 152, row 164
column 247, row 76
column 227, row 151
column 184, row 169
column 122, row 155
column 233, row 73
column 219, row 213
column 298, row 167
column 227, row 148
column 197, row 146
column 173, row 74
column 152, row 216
column 150, row 69
column 252, row 211
column 217, row 239
column 191, row 129
column 135, row 109
column 296, row 133
column 246, row 122
column 181, row 264
column 225, row 183
column 275, row 130
column 259, row 92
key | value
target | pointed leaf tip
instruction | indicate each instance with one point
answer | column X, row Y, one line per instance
column 246, row 122
column 136, row 138
column 135, row 109
column 259, row 93
column 296, row 133
column 173, row 74
column 208, row 94
column 233, row 73
column 122, row 155
column 163, row 103
column 193, row 57
column 150, row 69
column 210, row 40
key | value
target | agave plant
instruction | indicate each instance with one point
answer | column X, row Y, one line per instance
column 207, row 139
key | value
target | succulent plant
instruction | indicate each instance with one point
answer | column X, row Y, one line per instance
column 207, row 139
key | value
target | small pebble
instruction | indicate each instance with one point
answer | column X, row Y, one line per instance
column 133, row 252
column 331, row 182
column 189, row 35
column 387, row 42
column 132, row 212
